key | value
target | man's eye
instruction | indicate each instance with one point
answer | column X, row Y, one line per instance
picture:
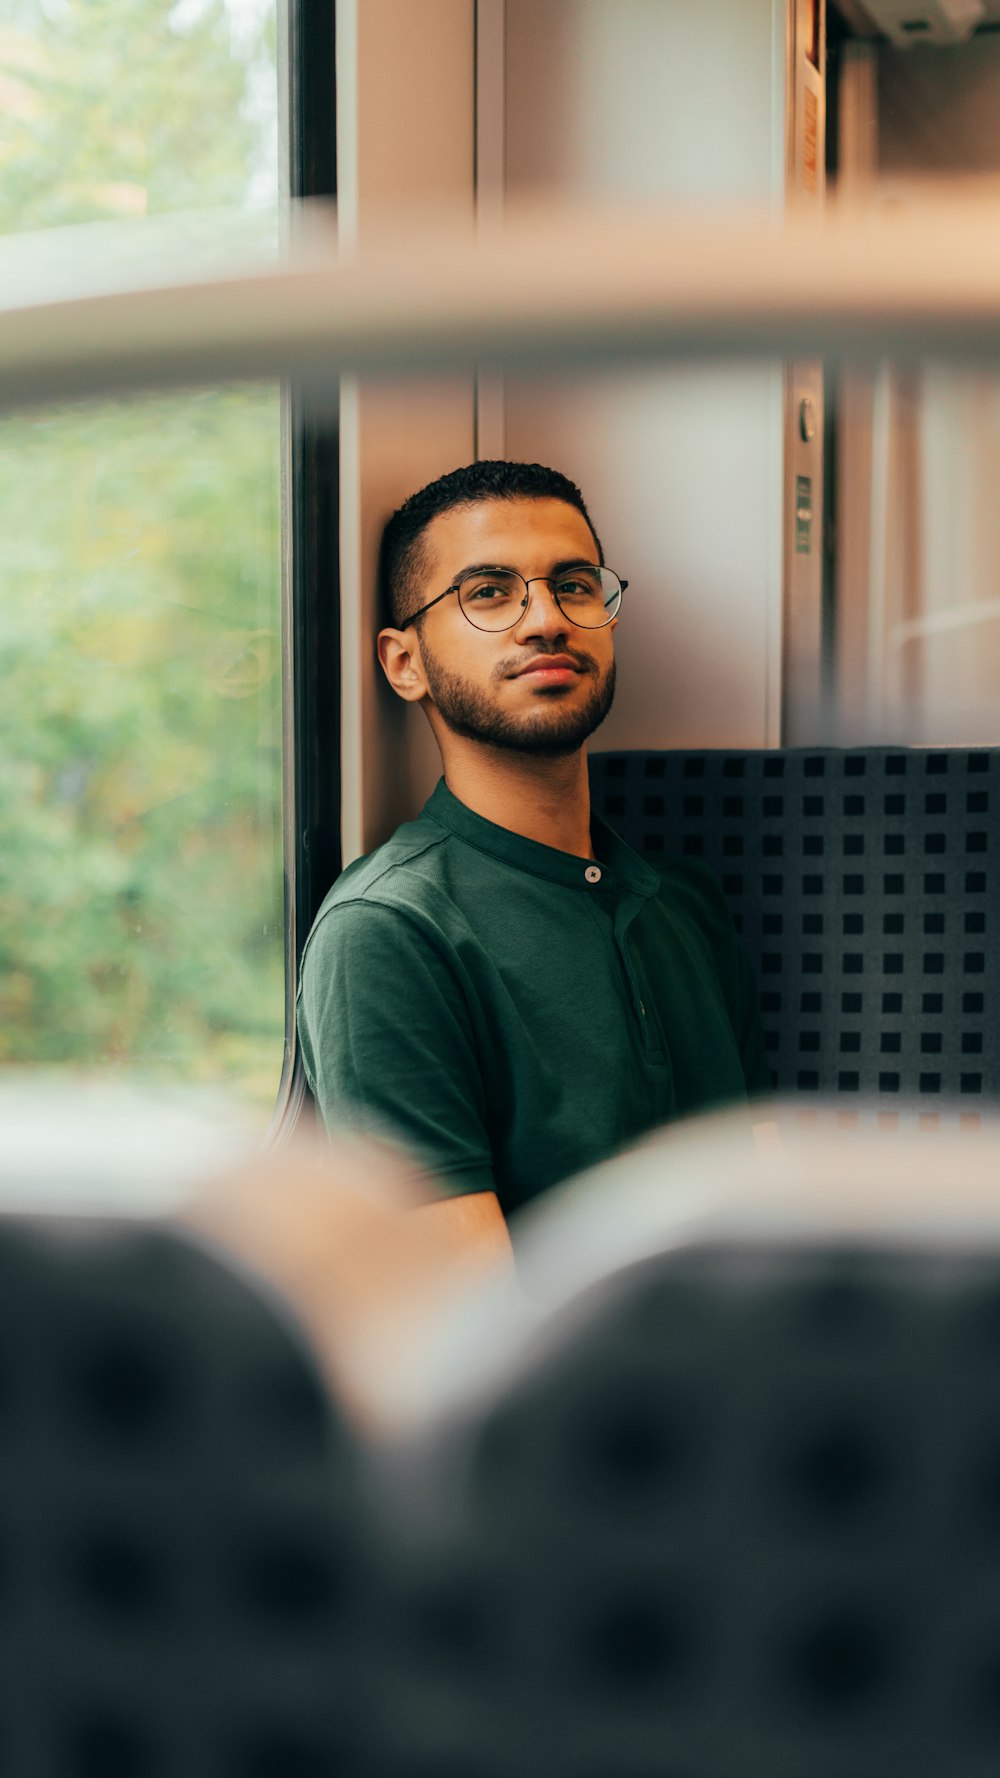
column 489, row 590
column 577, row 589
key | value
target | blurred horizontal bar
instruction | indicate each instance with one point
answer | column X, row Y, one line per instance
column 549, row 290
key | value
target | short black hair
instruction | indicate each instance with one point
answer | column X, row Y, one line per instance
column 494, row 479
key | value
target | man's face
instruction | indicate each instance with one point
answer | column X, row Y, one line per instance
column 541, row 687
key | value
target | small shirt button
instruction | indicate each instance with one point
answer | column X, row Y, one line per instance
column 592, row 873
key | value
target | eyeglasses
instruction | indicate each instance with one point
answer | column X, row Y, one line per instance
column 497, row 598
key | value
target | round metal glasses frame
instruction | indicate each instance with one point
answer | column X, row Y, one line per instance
column 549, row 580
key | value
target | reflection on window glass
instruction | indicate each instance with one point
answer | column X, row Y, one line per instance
column 920, row 619
column 140, row 772
column 916, row 631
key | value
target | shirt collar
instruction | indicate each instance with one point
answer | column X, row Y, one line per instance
column 619, row 866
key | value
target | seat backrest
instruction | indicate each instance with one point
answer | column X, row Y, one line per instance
column 738, row 1515
column 181, row 1535
column 863, row 882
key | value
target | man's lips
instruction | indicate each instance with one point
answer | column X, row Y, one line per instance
column 550, row 663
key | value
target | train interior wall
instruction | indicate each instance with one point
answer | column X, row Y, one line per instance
column 617, row 106
column 474, row 107
column 406, row 104
column 578, row 102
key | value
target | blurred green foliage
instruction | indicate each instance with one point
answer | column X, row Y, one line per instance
column 112, row 108
column 141, row 918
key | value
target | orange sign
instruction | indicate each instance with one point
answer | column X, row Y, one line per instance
column 810, row 154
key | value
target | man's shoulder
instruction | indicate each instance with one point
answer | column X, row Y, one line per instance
column 407, row 856
column 403, row 875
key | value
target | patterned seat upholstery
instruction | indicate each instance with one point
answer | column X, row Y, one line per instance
column 864, row 884
column 181, row 1536
column 736, row 1514
column 732, row 1507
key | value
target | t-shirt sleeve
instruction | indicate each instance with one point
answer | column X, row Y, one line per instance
column 388, row 1044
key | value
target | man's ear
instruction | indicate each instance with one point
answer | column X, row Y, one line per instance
column 399, row 655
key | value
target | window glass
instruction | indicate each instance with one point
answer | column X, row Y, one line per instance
column 914, row 643
column 140, row 728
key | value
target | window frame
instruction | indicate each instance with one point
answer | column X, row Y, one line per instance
column 311, row 649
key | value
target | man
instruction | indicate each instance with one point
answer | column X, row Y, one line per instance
column 505, row 984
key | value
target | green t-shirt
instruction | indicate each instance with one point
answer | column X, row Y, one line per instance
column 515, row 1014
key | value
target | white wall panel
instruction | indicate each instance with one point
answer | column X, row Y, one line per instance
column 631, row 100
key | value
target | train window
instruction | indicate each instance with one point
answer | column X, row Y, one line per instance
column 913, row 455
column 141, row 920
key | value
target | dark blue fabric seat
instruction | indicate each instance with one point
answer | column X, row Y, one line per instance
column 863, row 882
column 734, row 1514
column 182, row 1533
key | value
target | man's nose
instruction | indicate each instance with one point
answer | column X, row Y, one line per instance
column 541, row 615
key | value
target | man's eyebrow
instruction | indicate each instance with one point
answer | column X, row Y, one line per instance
column 508, row 568
column 483, row 568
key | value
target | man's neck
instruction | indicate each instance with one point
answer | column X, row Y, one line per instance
column 547, row 800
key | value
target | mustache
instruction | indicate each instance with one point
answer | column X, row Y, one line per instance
column 585, row 662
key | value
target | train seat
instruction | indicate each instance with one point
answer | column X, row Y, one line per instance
column 181, row 1539
column 731, row 1506
column 714, row 1489
column 862, row 882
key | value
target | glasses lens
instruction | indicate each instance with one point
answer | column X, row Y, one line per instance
column 492, row 600
column 589, row 597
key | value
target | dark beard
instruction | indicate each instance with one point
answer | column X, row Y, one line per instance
column 467, row 710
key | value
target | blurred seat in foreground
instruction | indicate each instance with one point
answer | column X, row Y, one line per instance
column 712, row 1492
column 729, row 1506
column 185, row 1546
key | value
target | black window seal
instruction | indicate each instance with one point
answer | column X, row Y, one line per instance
column 310, row 551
